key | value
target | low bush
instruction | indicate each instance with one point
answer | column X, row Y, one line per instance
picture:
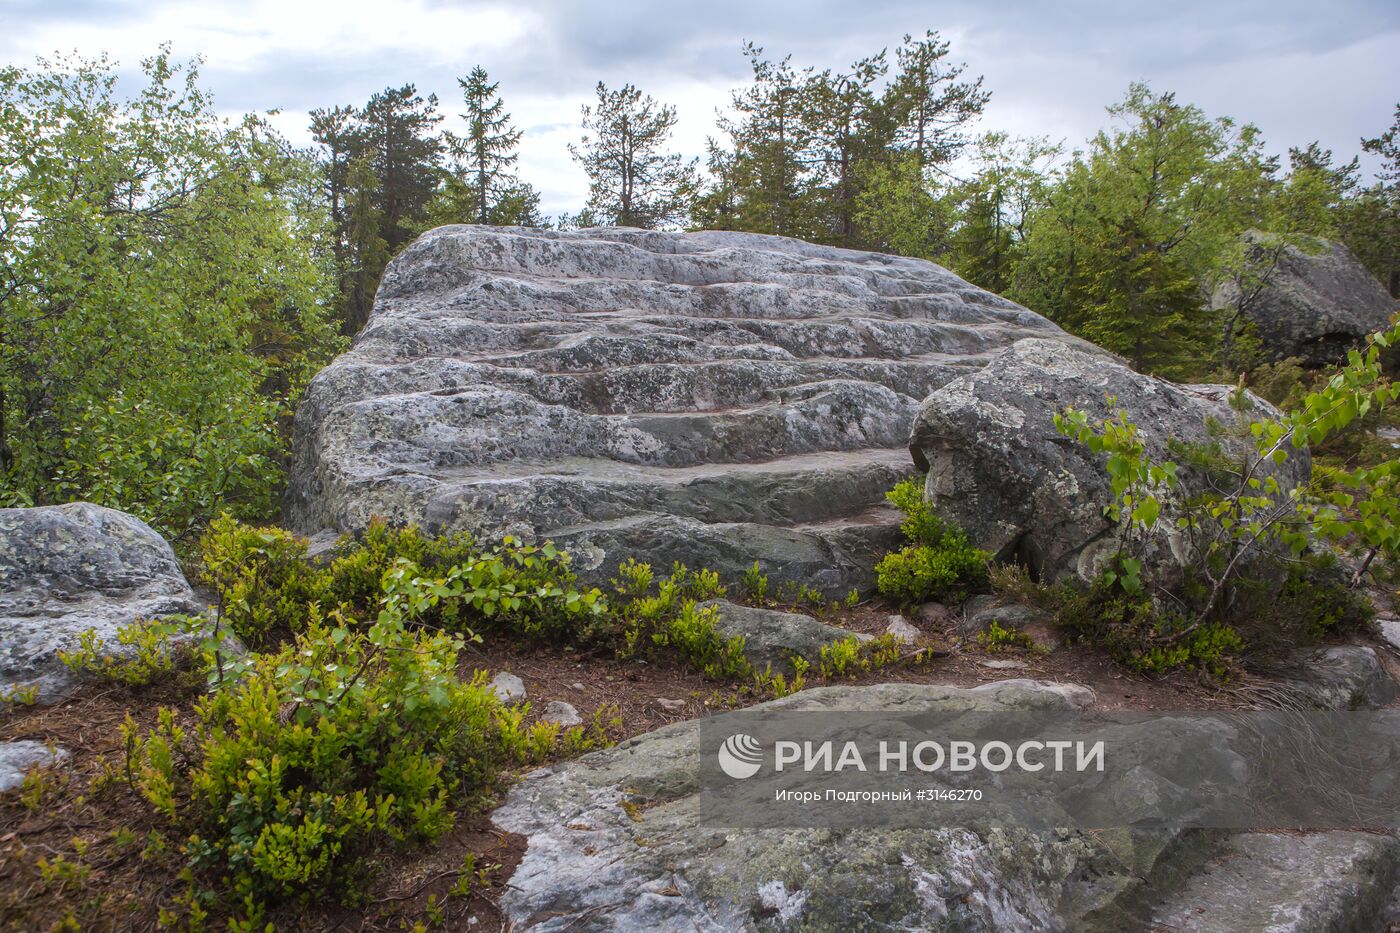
column 939, row 562
column 1135, row 634
column 323, row 752
column 265, row 583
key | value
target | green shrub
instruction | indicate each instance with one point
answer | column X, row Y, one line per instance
column 1316, row 594
column 938, row 563
column 261, row 577
column 755, row 584
column 1140, row 638
column 919, row 573
column 266, row 585
column 324, row 752
column 996, row 638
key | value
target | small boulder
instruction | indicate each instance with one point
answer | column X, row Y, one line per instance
column 16, row 758
column 901, row 629
column 65, row 569
column 773, row 637
column 936, row 615
column 509, row 689
column 1390, row 632
column 562, row 713
column 998, row 467
column 1342, row 677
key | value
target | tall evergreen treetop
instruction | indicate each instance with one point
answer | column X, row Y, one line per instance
column 633, row 180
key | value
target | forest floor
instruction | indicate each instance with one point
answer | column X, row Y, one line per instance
column 78, row 847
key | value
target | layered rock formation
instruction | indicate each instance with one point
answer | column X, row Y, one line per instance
column 709, row 397
column 997, row 465
column 1313, row 304
column 65, row 569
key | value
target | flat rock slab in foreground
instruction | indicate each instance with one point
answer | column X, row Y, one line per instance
column 616, row 842
column 709, row 397
column 68, row 568
column 594, row 864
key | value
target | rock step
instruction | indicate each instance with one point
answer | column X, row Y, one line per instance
column 804, row 489
column 1329, row 882
column 831, row 558
column 644, row 387
column 555, row 345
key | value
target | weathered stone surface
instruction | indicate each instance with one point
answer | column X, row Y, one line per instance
column 593, row 864
column 16, row 758
column 1318, row 883
column 980, row 612
column 565, row 714
column 1314, row 305
column 904, row 630
column 774, row 637
column 714, row 397
column 68, row 568
column 1390, row 631
column 997, row 465
column 1341, row 677
column 508, row 688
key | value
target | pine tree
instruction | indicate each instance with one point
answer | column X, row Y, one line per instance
column 931, row 105
column 847, row 127
column 633, row 180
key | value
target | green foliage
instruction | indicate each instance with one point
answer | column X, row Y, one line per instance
column 265, row 583
column 940, row 563
column 755, row 584
column 147, row 653
column 324, row 751
column 849, row 657
column 1316, row 593
column 632, row 180
column 1139, row 637
column 161, row 301
column 996, row 638
column 919, row 573
column 674, row 619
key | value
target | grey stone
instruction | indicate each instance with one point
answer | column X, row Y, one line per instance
column 1317, row 883
column 716, row 397
column 772, row 637
column 562, row 713
column 16, row 758
column 1003, row 664
column 998, row 467
column 936, row 615
column 596, row 861
column 902, row 629
column 671, row 706
column 1314, row 304
column 65, row 569
column 1390, row 631
column 1340, row 678
column 980, row 612
column 509, row 688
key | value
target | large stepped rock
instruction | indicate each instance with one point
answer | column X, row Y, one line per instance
column 712, row 397
column 65, row 569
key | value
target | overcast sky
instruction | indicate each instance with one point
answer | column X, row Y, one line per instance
column 1300, row 69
